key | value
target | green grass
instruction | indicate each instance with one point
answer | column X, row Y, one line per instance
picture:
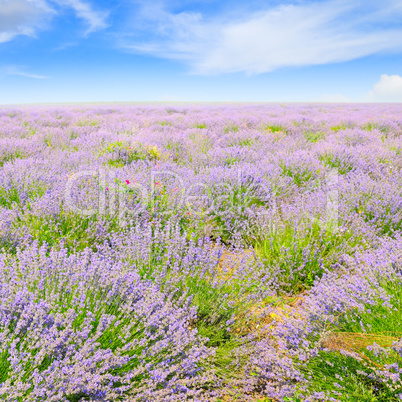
column 165, row 123
column 231, row 129
column 314, row 136
column 201, row 142
column 396, row 149
column 380, row 212
column 273, row 128
column 231, row 160
column 176, row 150
column 73, row 230
column 339, row 127
column 379, row 318
column 357, row 372
column 122, row 153
column 14, row 195
column 242, row 142
column 334, row 162
column 370, row 126
column 300, row 174
column 11, row 157
column 300, row 254
column 87, row 123
column 213, row 309
column 73, row 135
column 31, row 131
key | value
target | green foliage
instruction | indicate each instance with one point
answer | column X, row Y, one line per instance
column 335, row 162
column 353, row 370
column 339, row 127
column 176, row 151
column 231, row 129
column 202, row 143
column 300, row 174
column 73, row 135
column 165, row 123
column 87, row 123
column 301, row 253
column 378, row 318
column 20, row 195
column 273, row 128
column 230, row 161
column 314, row 136
column 396, row 149
column 344, row 377
column 213, row 309
column 387, row 219
column 11, row 157
column 242, row 142
column 370, row 126
column 31, row 131
column 77, row 232
column 124, row 154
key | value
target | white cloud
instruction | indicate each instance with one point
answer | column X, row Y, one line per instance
column 303, row 34
column 26, row 17
column 13, row 70
column 387, row 89
column 96, row 19
column 22, row 17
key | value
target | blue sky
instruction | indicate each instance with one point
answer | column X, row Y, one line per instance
column 136, row 50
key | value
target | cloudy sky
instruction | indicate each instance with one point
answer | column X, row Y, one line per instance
column 210, row 50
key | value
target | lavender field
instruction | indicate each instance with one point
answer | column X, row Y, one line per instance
column 201, row 252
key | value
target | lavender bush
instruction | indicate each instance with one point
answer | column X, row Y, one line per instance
column 82, row 327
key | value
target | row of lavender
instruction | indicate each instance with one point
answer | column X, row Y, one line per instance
column 157, row 253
